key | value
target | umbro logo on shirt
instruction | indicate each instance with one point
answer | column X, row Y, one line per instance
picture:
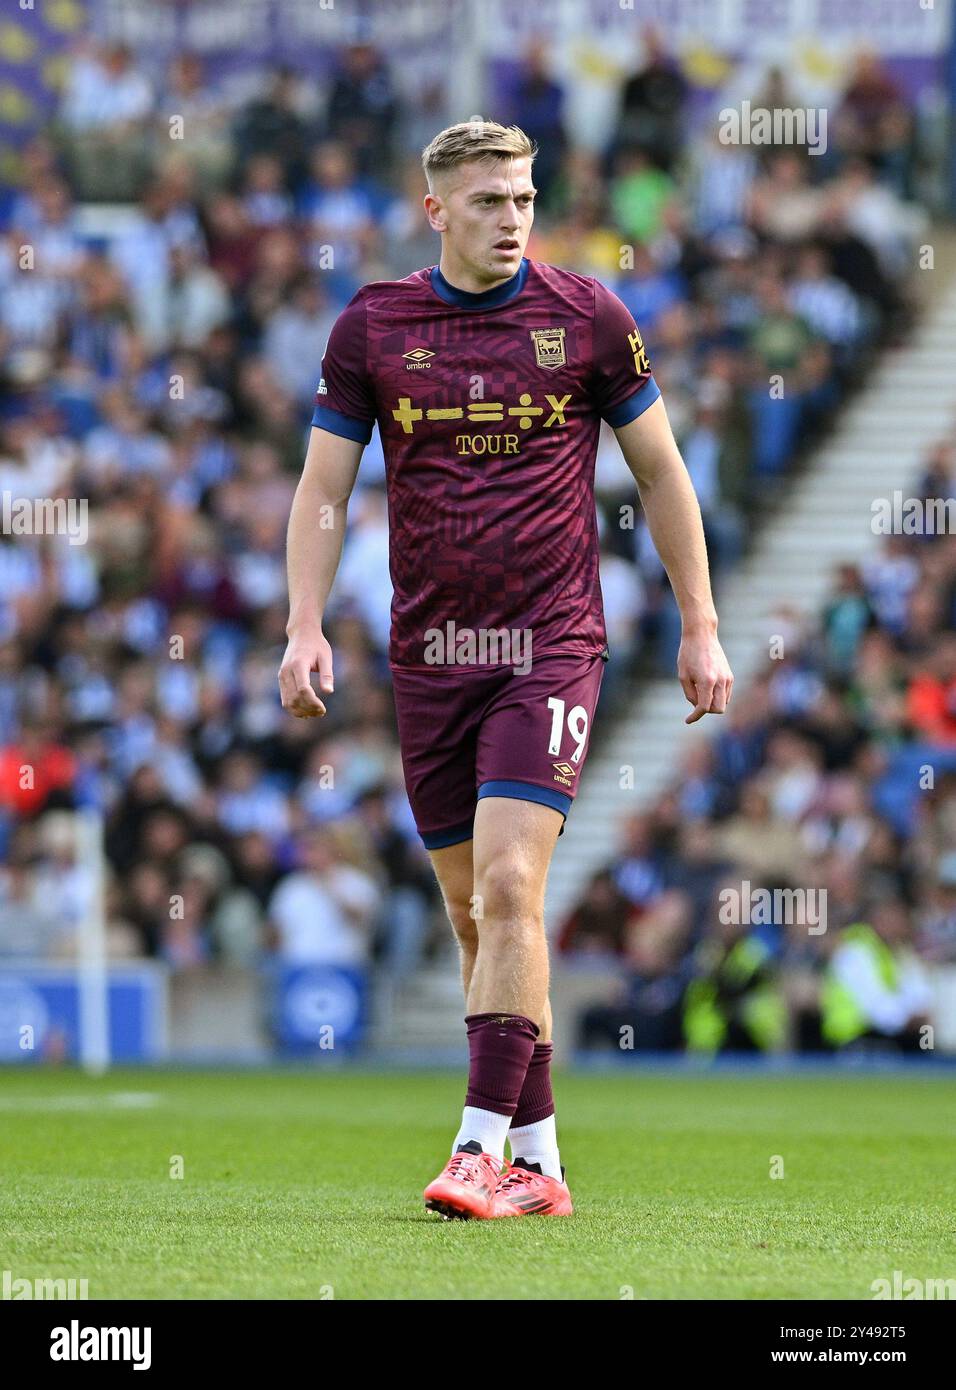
column 417, row 359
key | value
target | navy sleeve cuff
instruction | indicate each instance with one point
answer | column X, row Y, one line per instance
column 344, row 425
column 626, row 411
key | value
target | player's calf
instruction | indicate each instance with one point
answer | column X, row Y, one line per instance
column 466, row 934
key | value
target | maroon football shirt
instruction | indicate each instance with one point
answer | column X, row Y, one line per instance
column 489, row 408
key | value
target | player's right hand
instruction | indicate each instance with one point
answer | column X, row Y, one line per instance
column 307, row 651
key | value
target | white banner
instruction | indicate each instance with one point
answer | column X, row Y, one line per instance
column 897, row 28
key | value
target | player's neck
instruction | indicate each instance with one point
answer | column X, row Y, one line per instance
column 459, row 277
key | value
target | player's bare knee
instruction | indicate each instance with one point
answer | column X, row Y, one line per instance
column 508, row 892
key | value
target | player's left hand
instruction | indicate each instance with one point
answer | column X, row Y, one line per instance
column 704, row 674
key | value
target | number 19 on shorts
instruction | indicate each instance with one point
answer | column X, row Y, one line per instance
column 577, row 723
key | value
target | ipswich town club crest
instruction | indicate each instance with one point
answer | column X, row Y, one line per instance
column 549, row 347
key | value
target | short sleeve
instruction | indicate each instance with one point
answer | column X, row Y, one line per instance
column 621, row 382
column 344, row 402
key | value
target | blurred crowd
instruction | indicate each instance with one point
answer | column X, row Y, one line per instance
column 160, row 343
column 797, row 883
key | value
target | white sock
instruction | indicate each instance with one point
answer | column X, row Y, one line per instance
column 489, row 1128
column 538, row 1143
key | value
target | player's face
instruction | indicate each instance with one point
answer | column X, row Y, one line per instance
column 485, row 214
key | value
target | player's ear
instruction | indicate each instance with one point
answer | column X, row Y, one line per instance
column 435, row 212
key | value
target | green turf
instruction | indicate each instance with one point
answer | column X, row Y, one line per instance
column 299, row 1184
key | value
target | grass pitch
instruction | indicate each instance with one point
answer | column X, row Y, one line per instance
column 308, row 1185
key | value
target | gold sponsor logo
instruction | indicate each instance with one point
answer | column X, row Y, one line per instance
column 549, row 347
column 525, row 414
column 563, row 772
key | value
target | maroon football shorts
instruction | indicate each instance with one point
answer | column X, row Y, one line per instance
column 472, row 731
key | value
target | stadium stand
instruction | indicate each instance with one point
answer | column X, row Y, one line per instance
column 159, row 360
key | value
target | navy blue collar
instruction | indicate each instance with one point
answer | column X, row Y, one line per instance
column 487, row 299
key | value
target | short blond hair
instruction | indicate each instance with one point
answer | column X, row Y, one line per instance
column 475, row 139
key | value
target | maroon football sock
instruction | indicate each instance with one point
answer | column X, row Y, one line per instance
column 536, row 1101
column 500, row 1048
